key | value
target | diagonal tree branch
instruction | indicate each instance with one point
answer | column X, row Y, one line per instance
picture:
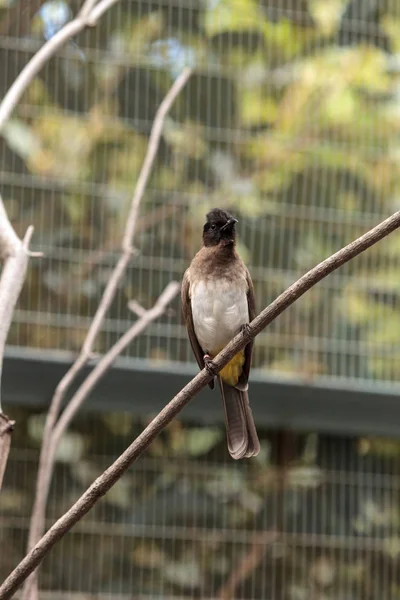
column 139, row 445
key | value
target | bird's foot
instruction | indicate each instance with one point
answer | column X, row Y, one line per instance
column 246, row 331
column 210, row 365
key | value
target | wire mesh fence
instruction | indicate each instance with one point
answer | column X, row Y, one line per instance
column 289, row 121
column 314, row 517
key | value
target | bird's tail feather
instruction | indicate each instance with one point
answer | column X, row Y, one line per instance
column 240, row 428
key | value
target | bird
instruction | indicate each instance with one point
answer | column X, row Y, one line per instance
column 218, row 302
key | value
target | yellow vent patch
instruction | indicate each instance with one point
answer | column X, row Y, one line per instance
column 231, row 372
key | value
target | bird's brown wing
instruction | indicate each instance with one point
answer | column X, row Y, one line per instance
column 248, row 351
column 187, row 315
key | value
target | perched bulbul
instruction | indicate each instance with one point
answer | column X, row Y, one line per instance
column 217, row 303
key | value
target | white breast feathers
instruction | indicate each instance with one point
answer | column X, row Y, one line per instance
column 219, row 310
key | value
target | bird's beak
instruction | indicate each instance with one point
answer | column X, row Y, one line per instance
column 229, row 224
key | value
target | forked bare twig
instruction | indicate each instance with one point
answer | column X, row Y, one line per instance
column 53, row 432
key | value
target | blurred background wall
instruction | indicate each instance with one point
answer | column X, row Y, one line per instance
column 291, row 121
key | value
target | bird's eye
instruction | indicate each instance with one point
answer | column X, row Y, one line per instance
column 213, row 226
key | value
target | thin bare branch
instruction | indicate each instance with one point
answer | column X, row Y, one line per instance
column 130, row 228
column 139, row 445
column 127, row 251
column 152, row 148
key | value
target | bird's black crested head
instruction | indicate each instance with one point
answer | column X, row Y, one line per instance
column 219, row 228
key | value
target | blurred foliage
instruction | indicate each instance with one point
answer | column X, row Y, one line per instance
column 290, row 120
column 187, row 521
